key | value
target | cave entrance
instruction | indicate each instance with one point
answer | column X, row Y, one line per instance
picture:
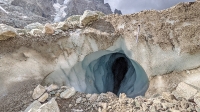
column 108, row 71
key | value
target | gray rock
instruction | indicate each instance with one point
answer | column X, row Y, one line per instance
column 31, row 26
column 50, row 106
column 33, row 106
column 184, row 90
column 116, row 11
column 68, row 93
column 6, row 32
column 38, row 91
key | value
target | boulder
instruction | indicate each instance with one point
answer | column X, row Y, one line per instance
column 31, row 26
column 52, row 87
column 184, row 90
column 48, row 29
column 73, row 21
column 89, row 16
column 33, row 106
column 6, row 32
column 63, row 26
column 50, row 106
column 68, row 93
column 44, row 97
column 38, row 91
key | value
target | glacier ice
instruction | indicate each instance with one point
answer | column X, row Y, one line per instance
column 97, row 71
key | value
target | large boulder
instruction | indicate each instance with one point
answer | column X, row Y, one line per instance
column 89, row 16
column 184, row 90
column 51, row 106
column 7, row 32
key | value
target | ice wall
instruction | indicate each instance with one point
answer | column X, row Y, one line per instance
column 94, row 75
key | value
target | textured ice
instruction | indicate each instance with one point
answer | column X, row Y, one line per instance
column 94, row 75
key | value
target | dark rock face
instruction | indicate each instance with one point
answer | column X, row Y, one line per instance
column 18, row 17
column 42, row 8
column 117, row 11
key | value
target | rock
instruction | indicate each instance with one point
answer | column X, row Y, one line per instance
column 50, row 106
column 32, row 26
column 144, row 107
column 184, row 90
column 88, row 17
column 52, row 87
column 6, row 32
column 36, row 32
column 116, row 11
column 78, row 100
column 197, row 99
column 168, row 96
column 63, row 26
column 33, row 106
column 38, row 91
column 73, row 21
column 41, row 8
column 68, row 93
column 88, row 95
column 44, row 97
column 48, row 29
column 93, row 97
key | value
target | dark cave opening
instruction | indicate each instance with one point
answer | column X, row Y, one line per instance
column 119, row 70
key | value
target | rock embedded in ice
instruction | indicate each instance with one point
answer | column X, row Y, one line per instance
column 7, row 32
column 48, row 29
column 33, row 106
column 44, row 97
column 50, row 106
column 184, row 90
column 68, row 93
column 38, row 91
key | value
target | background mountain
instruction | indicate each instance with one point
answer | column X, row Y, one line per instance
column 19, row 13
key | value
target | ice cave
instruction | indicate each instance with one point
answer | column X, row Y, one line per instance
column 108, row 71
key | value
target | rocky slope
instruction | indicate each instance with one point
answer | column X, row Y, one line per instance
column 167, row 48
